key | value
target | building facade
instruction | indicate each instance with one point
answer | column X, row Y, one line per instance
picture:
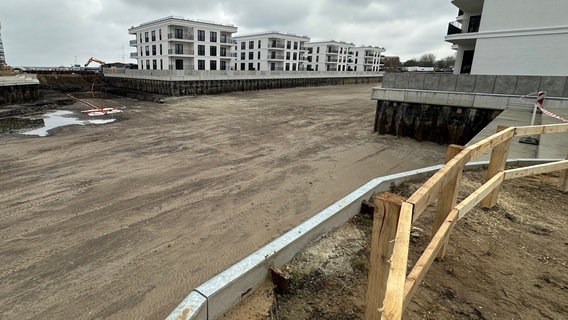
column 369, row 59
column 270, row 51
column 510, row 37
column 328, row 56
column 175, row 43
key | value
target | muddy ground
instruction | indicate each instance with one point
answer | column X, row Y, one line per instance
column 123, row 220
column 508, row 262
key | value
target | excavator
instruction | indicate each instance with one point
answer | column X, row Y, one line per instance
column 102, row 63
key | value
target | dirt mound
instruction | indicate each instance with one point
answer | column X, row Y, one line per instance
column 67, row 82
column 505, row 263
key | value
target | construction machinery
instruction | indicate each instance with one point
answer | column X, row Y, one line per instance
column 91, row 59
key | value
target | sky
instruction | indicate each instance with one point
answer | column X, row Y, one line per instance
column 67, row 32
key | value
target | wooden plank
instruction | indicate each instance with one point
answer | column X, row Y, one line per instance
column 473, row 199
column 536, row 169
column 563, row 184
column 423, row 264
column 431, row 188
column 447, row 198
column 497, row 164
column 385, row 222
column 394, row 295
column 531, row 130
column 491, row 142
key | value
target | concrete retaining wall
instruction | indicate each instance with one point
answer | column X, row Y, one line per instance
column 196, row 87
column 220, row 293
column 19, row 88
column 496, row 84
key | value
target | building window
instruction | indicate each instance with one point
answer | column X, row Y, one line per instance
column 251, row 44
column 223, row 65
column 251, row 66
column 295, row 56
column 141, row 51
column 154, row 50
column 201, row 35
column 295, row 45
column 224, row 38
column 251, row 55
column 154, row 64
column 146, row 36
column 318, row 50
column 258, row 66
column 287, row 67
column 153, row 35
column 287, row 55
column 223, row 52
column 200, row 64
column 288, row 45
column 178, row 33
column 213, row 36
column 161, row 64
column 317, row 59
column 160, row 34
column 243, row 56
column 147, row 50
column 258, row 55
column 161, row 49
column 140, row 37
column 213, row 65
column 293, row 67
column 179, row 64
column 213, row 51
column 259, row 44
column 242, row 66
column 201, row 50
column 147, row 64
column 243, row 45
column 179, row 49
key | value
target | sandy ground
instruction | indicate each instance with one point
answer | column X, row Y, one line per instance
column 508, row 262
column 121, row 221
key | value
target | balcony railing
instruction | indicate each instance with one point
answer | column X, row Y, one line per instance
column 133, row 55
column 332, row 50
column 276, row 57
column 184, row 36
column 133, row 42
column 331, row 59
column 181, row 52
column 276, row 45
column 454, row 27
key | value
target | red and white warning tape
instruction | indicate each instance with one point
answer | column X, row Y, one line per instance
column 539, row 102
column 550, row 114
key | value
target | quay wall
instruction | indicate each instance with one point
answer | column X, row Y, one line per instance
column 173, row 83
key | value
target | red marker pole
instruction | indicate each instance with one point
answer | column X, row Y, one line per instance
column 539, row 102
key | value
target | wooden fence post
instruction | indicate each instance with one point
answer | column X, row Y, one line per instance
column 564, row 179
column 385, row 223
column 447, row 199
column 497, row 164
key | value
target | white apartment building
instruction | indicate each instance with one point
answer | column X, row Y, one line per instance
column 510, row 37
column 328, row 56
column 270, row 51
column 175, row 43
column 366, row 59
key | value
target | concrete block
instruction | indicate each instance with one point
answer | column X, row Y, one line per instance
column 416, row 81
column 482, row 101
column 505, row 84
column 485, row 83
column 448, row 82
column 389, row 79
column 527, row 84
column 465, row 83
column 388, row 94
column 431, row 81
column 553, row 86
column 401, row 81
column 460, row 100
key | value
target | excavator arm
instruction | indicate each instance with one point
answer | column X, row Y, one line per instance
column 102, row 63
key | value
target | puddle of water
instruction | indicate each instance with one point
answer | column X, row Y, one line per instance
column 61, row 118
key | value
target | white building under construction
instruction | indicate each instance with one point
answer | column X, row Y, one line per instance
column 510, row 37
column 175, row 43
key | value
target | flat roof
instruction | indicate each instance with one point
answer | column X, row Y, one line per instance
column 157, row 21
column 267, row 33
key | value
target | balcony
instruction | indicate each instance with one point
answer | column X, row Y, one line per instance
column 133, row 55
column 332, row 50
column 184, row 36
column 332, row 60
column 275, row 56
column 454, row 27
column 133, row 43
column 181, row 52
column 276, row 45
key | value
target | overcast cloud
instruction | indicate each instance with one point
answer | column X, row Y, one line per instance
column 65, row 32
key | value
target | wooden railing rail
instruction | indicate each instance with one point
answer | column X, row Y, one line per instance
column 387, row 298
